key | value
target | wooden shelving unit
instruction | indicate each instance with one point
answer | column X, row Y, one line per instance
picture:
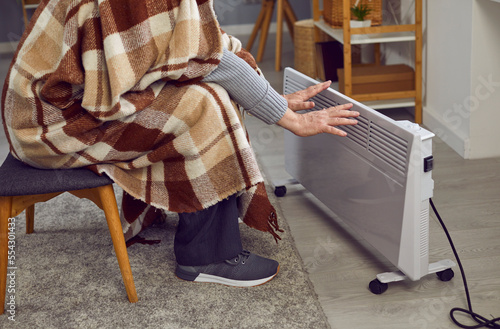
column 376, row 35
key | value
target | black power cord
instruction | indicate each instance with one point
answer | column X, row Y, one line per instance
column 481, row 320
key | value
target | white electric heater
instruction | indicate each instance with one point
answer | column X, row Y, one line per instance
column 377, row 180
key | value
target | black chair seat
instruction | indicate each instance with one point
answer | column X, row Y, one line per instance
column 22, row 186
column 18, row 178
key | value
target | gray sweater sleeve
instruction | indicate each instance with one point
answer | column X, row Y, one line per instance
column 248, row 89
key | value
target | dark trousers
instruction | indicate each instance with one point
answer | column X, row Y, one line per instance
column 208, row 236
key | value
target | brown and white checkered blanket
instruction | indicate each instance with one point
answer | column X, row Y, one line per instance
column 115, row 85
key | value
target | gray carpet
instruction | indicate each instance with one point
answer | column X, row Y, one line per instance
column 68, row 277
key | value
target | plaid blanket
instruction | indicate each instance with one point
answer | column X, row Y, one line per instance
column 115, row 85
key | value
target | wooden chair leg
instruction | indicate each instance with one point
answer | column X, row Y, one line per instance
column 5, row 212
column 265, row 30
column 290, row 24
column 110, row 208
column 30, row 219
column 290, row 18
column 257, row 27
column 279, row 35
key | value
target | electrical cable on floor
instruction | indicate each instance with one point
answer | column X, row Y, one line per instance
column 481, row 320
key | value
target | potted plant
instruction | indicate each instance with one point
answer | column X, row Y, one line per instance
column 360, row 11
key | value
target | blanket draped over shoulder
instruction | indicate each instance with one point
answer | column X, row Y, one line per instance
column 115, row 85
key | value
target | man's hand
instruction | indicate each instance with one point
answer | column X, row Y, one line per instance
column 317, row 122
column 300, row 100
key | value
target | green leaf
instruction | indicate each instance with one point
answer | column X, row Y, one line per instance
column 361, row 11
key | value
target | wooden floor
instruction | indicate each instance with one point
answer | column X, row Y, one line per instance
column 467, row 195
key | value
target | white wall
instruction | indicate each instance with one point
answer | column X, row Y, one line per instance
column 448, row 76
column 485, row 85
column 463, row 75
column 461, row 70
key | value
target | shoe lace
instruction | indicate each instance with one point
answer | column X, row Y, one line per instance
column 241, row 257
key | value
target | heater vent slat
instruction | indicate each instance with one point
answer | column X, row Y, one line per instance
column 381, row 154
column 424, row 232
column 393, row 147
column 387, row 151
column 385, row 145
column 378, row 141
column 389, row 147
column 325, row 102
column 395, row 139
column 359, row 132
column 356, row 136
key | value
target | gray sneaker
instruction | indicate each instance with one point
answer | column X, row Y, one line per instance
column 244, row 270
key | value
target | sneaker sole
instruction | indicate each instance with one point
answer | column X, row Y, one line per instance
column 208, row 278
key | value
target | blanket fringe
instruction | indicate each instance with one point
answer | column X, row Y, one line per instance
column 274, row 226
column 261, row 214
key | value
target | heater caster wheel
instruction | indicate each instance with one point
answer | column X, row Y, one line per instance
column 378, row 287
column 446, row 275
column 280, row 191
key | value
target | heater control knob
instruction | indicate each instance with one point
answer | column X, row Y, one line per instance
column 410, row 125
column 414, row 126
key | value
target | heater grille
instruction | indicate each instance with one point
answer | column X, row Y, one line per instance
column 359, row 134
column 378, row 141
column 424, row 232
column 388, row 147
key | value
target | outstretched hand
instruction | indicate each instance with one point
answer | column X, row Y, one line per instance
column 300, row 100
column 317, row 122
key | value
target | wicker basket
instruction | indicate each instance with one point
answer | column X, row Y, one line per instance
column 304, row 46
column 332, row 11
